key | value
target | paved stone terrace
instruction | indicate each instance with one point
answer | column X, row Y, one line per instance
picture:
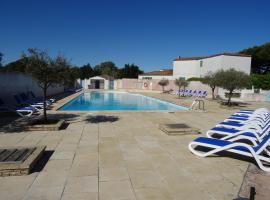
column 124, row 156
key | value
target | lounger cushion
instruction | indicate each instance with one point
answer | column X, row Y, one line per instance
column 226, row 130
column 25, row 108
column 238, row 118
column 232, row 131
column 218, row 142
column 212, row 141
column 240, row 115
column 231, row 124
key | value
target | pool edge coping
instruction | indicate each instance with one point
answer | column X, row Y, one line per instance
column 73, row 96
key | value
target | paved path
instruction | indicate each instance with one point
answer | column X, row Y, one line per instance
column 125, row 157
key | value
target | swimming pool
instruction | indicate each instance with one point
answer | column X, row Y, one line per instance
column 112, row 100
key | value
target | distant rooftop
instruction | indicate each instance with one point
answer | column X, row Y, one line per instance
column 105, row 76
column 203, row 57
column 162, row 72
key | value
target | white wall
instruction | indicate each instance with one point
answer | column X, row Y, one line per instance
column 156, row 77
column 192, row 68
column 87, row 82
column 15, row 83
column 106, row 84
column 82, row 83
column 225, row 62
column 210, row 64
column 185, row 69
column 237, row 62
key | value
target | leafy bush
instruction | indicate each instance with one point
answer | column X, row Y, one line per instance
column 260, row 81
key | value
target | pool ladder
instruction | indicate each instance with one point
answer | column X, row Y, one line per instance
column 197, row 104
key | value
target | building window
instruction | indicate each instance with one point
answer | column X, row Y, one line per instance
column 201, row 63
column 147, row 78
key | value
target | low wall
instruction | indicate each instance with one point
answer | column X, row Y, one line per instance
column 12, row 83
column 152, row 85
column 249, row 95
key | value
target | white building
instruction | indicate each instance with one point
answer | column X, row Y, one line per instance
column 199, row 66
column 157, row 75
column 97, row 82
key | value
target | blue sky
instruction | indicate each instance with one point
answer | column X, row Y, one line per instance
column 148, row 33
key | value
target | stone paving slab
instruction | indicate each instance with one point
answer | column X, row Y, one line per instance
column 116, row 190
column 129, row 158
column 258, row 179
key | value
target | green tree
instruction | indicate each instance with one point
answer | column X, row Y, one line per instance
column 163, row 83
column 211, row 80
column 86, row 71
column 70, row 76
column 16, row 66
column 1, row 59
column 260, row 62
column 106, row 68
column 231, row 80
column 129, row 71
column 261, row 81
column 46, row 71
column 180, row 82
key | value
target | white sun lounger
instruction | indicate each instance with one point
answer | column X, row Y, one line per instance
column 21, row 111
column 21, row 103
column 253, row 130
column 245, row 150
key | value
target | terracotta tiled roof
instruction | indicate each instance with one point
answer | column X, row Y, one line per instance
column 164, row 72
column 203, row 57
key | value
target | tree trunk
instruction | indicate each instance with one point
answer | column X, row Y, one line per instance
column 163, row 89
column 179, row 88
column 45, row 104
column 213, row 93
column 229, row 98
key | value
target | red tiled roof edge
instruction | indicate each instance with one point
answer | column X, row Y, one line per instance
column 204, row 57
column 168, row 72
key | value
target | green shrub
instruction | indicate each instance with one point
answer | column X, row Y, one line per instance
column 261, row 81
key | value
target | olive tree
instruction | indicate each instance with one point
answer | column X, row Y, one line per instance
column 211, row 80
column 180, row 82
column 163, row 83
column 231, row 80
column 46, row 71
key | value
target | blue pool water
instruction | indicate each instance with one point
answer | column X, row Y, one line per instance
column 117, row 101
